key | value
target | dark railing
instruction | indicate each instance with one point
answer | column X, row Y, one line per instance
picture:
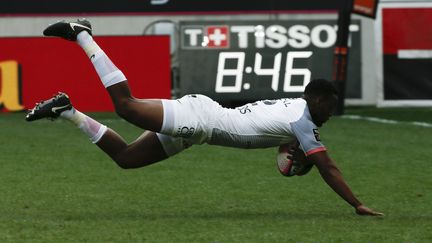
column 161, row 6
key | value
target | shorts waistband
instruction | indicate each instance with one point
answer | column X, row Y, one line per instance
column 168, row 117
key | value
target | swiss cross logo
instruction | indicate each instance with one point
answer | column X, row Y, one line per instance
column 218, row 36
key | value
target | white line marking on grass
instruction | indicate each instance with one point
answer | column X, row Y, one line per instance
column 387, row 121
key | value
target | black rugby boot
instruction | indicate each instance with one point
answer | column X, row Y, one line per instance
column 68, row 30
column 51, row 108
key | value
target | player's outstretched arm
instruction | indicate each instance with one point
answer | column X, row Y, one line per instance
column 333, row 177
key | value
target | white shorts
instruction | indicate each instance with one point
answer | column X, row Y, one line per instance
column 187, row 121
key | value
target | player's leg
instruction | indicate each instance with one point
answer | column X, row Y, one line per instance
column 146, row 150
column 144, row 113
column 147, row 114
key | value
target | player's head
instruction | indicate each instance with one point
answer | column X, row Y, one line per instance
column 321, row 97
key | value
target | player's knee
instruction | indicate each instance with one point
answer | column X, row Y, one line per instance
column 123, row 164
column 121, row 160
column 123, row 108
column 126, row 162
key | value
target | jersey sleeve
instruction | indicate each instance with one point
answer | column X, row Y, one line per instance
column 308, row 135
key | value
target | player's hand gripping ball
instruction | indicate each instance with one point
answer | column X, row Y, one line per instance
column 291, row 160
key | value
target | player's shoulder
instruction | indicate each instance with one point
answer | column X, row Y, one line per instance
column 292, row 107
column 293, row 101
column 299, row 102
column 299, row 111
column 297, row 105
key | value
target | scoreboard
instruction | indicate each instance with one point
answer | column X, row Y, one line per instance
column 249, row 60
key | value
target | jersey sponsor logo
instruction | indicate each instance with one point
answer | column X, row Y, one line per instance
column 244, row 109
column 269, row 102
column 286, row 102
column 316, row 134
column 185, row 132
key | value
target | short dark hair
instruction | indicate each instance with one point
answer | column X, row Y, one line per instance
column 319, row 87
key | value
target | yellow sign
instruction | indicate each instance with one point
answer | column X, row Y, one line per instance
column 10, row 86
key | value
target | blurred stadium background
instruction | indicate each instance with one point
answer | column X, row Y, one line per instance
column 234, row 52
column 241, row 51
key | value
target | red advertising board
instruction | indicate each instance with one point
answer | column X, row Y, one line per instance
column 407, row 29
column 407, row 53
column 33, row 69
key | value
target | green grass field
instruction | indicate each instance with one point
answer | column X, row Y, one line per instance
column 55, row 186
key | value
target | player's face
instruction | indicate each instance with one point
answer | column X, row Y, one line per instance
column 322, row 109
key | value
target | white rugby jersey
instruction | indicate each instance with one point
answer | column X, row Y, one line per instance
column 266, row 123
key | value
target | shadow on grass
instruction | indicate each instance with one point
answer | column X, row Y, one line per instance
column 210, row 216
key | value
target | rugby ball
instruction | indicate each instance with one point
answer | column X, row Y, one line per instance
column 286, row 166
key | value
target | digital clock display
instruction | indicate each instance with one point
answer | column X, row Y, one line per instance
column 257, row 69
column 251, row 60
